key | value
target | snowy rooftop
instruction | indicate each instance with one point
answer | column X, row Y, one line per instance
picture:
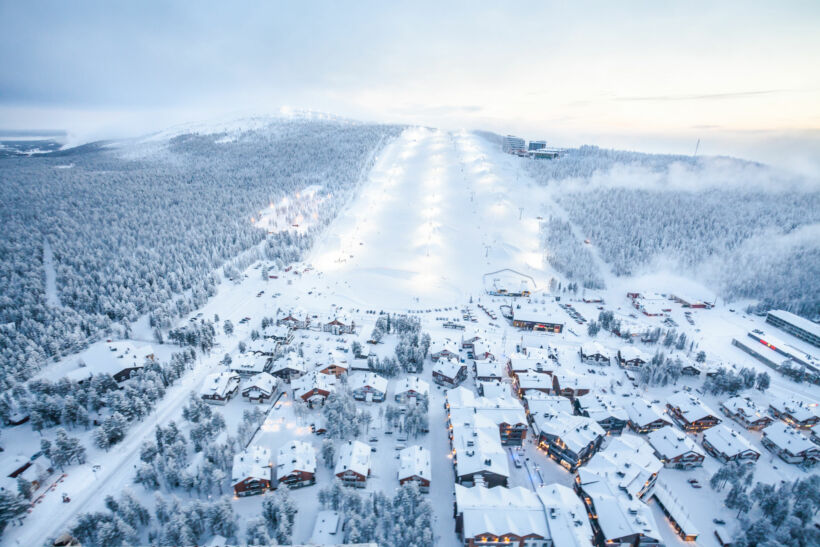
column 253, row 463
column 489, row 369
column 691, row 407
column 521, row 363
column 262, row 345
column 326, row 528
column 575, row 431
column 788, row 438
column 745, row 407
column 601, row 406
column 290, row 361
column 313, row 380
column 595, row 348
column 670, row 443
column 567, row 518
column 727, row 440
column 354, row 456
column 248, row 363
column 541, row 313
column 801, row 409
column 295, row 456
column 496, row 388
column 619, row 516
column 263, row 382
column 414, row 461
column 630, row 353
column 500, row 510
column 276, row 331
column 448, row 367
column 219, row 383
column 539, row 402
column 413, row 383
column 641, row 412
column 675, row 506
column 111, row 358
column 478, row 446
column 627, row 461
column 797, row 321
column 534, row 380
column 361, row 380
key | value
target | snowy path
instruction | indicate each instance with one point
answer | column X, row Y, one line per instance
column 52, row 297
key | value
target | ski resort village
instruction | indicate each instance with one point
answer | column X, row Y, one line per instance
column 421, row 374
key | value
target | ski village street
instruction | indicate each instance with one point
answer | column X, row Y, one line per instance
column 445, row 231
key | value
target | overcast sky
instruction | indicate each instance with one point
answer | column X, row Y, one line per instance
column 741, row 76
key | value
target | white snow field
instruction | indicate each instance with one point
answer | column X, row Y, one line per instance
column 438, row 211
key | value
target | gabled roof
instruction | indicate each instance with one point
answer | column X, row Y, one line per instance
column 499, row 510
column 360, row 380
column 263, row 382
column 489, row 369
column 478, row 446
column 691, row 407
column 313, row 380
column 522, row 363
column 249, row 363
column 594, row 348
column 800, row 409
column 295, row 456
column 670, row 443
column 448, row 367
column 642, row 412
column 602, row 406
column 414, row 461
column 252, row 463
column 539, row 402
column 630, row 353
column 262, row 345
column 745, row 407
column 276, row 331
column 727, row 441
column 353, row 456
column 627, row 462
column 566, row 516
column 788, row 438
column 413, row 383
column 110, row 358
column 289, row 361
column 219, row 383
column 534, row 380
column 575, row 431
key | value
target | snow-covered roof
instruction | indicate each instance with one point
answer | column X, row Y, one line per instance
column 361, row 380
column 445, row 345
column 412, row 383
column 675, row 506
column 489, row 369
column 670, row 443
column 478, row 447
column 263, row 345
column 691, row 407
column 313, row 380
column 353, row 456
column 295, row 456
column 800, row 409
column 745, row 407
column 576, row 432
column 787, row 438
column 296, row 313
column 499, row 510
column 290, row 361
column 252, row 463
column 263, row 381
column 539, row 402
column 567, row 518
column 501, row 409
column 520, row 363
column 111, row 358
column 495, row 388
column 628, row 462
column 219, row 383
column 797, row 321
column 630, row 353
column 448, row 367
column 248, row 363
column 276, row 331
column 537, row 314
column 534, row 380
column 641, row 412
column 618, row 516
column 602, row 406
column 727, row 440
column 326, row 528
column 414, row 461
column 595, row 348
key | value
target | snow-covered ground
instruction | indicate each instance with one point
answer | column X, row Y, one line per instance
column 438, row 212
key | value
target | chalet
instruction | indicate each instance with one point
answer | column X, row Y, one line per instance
column 260, row 388
column 746, row 412
column 294, row 319
column 675, row 449
column 219, row 388
column 531, row 318
column 569, row 440
column 288, row 367
column 631, row 358
column 414, row 466
column 263, row 347
column 790, row 445
column 449, row 373
column 468, row 343
column 489, row 371
column 527, row 382
column 690, row 413
column 353, row 464
column 728, row 445
column 251, row 472
column 278, row 333
column 500, row 516
column 367, row 386
column 493, row 389
column 35, row 469
column 569, row 384
column 518, row 363
column 796, row 413
column 537, row 402
column 478, row 456
column 447, row 350
column 593, row 353
column 506, row 412
column 672, row 505
column 121, row 360
column 644, row 416
column 296, row 464
column 628, row 462
column 313, row 388
column 480, row 352
column 411, row 388
column 616, row 517
column 333, row 365
column 248, row 364
column 340, row 324
column 604, row 409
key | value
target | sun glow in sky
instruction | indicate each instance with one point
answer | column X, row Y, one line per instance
column 742, row 76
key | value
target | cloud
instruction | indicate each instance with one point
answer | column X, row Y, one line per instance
column 705, row 96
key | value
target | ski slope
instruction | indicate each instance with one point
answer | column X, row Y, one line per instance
column 438, row 211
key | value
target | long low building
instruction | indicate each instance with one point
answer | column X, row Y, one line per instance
column 790, row 445
column 532, row 318
column 673, row 507
column 728, row 445
column 795, row 325
column 675, row 448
